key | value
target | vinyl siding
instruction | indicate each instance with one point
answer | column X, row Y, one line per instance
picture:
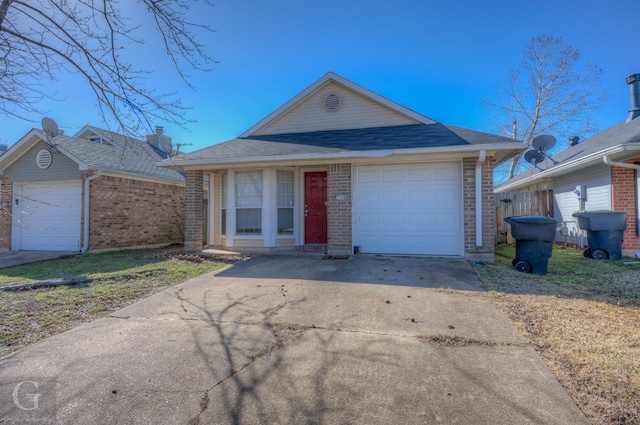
column 355, row 112
column 25, row 169
column 598, row 183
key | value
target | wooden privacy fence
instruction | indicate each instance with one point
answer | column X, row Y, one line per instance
column 509, row 204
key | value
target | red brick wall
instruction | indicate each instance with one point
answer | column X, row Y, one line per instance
column 488, row 208
column 193, row 240
column 339, row 211
column 623, row 198
column 128, row 213
column 6, row 195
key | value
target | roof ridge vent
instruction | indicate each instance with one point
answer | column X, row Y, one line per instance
column 332, row 102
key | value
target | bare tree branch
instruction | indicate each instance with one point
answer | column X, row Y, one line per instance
column 40, row 40
column 548, row 92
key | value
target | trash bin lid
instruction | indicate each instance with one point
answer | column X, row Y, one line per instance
column 602, row 220
column 530, row 219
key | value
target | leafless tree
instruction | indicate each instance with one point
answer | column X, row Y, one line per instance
column 550, row 92
column 40, row 40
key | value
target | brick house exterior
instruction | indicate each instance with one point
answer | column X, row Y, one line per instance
column 600, row 173
column 6, row 212
column 132, row 202
column 131, row 213
column 624, row 192
column 397, row 182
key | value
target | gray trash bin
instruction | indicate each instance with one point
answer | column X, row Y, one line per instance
column 534, row 237
column 605, row 231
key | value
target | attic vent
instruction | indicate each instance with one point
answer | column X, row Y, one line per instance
column 43, row 159
column 332, row 102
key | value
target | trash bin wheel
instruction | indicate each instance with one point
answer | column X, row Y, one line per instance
column 587, row 253
column 600, row 254
column 523, row 266
column 513, row 263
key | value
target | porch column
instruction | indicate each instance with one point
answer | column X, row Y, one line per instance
column 193, row 240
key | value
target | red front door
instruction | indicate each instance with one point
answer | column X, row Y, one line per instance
column 315, row 208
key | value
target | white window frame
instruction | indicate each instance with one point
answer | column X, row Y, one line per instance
column 286, row 200
column 248, row 189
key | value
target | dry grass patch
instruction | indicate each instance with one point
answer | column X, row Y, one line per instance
column 118, row 279
column 583, row 318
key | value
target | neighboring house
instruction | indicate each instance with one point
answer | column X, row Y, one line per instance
column 340, row 169
column 96, row 190
column 599, row 173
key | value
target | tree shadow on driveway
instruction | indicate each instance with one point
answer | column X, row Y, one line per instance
column 422, row 272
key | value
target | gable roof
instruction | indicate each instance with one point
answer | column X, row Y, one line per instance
column 421, row 135
column 327, row 79
column 130, row 156
column 619, row 141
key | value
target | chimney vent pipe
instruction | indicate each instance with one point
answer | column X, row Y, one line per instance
column 634, row 85
column 160, row 129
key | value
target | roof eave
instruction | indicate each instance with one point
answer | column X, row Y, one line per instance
column 491, row 149
column 137, row 176
column 565, row 167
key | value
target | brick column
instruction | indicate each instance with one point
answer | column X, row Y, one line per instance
column 623, row 198
column 6, row 198
column 193, row 240
column 484, row 252
column 339, row 209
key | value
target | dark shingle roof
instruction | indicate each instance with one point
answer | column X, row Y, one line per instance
column 360, row 139
column 626, row 133
column 136, row 156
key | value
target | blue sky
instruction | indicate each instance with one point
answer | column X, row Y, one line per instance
column 439, row 58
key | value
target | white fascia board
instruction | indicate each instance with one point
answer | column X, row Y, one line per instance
column 564, row 168
column 18, row 149
column 472, row 150
column 134, row 176
column 330, row 76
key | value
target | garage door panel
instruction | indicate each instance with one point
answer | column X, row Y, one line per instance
column 419, row 196
column 49, row 218
column 391, row 219
column 416, row 210
column 392, row 176
column 418, row 175
column 392, row 197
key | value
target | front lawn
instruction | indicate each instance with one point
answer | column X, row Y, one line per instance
column 583, row 318
column 119, row 278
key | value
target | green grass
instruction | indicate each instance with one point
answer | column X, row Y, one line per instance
column 119, row 278
column 569, row 274
column 582, row 318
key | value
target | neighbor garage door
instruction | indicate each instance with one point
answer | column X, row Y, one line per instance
column 47, row 217
column 409, row 209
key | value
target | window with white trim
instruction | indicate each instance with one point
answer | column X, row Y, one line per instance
column 223, row 204
column 248, row 185
column 285, row 202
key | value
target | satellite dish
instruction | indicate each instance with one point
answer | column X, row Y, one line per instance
column 543, row 143
column 50, row 127
column 534, row 157
column 51, row 130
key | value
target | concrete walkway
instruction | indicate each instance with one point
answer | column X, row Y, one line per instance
column 18, row 258
column 297, row 340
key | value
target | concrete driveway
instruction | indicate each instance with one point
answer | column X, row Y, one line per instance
column 295, row 340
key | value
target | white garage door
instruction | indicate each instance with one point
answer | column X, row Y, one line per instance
column 414, row 209
column 47, row 217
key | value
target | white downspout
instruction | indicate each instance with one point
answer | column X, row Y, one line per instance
column 481, row 158
column 619, row 164
column 87, row 195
